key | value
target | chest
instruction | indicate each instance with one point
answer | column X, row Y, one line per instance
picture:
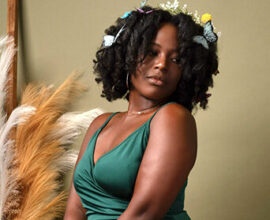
column 113, row 134
column 115, row 171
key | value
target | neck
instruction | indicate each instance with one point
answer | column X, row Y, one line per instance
column 140, row 105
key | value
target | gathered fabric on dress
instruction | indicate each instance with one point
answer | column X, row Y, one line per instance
column 106, row 188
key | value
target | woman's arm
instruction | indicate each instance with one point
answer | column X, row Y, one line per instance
column 167, row 161
column 74, row 209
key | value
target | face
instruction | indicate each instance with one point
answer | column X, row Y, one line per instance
column 157, row 76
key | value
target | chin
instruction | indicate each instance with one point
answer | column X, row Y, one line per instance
column 157, row 94
column 154, row 92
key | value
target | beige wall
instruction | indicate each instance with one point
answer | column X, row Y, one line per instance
column 231, row 177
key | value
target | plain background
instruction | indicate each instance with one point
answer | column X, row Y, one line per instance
column 230, row 179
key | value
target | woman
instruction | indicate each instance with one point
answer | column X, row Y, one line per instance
column 135, row 164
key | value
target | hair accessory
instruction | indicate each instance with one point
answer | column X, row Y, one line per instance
column 127, row 13
column 199, row 39
column 144, row 12
column 108, row 40
column 208, row 33
column 206, row 17
column 143, row 3
column 174, row 8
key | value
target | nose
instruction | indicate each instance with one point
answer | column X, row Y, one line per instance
column 161, row 62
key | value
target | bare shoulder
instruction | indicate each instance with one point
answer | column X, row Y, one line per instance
column 96, row 124
column 171, row 116
column 98, row 121
column 174, row 127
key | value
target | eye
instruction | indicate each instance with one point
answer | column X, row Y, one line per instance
column 176, row 60
column 153, row 53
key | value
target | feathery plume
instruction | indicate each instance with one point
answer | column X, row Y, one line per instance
column 72, row 124
column 7, row 51
column 32, row 165
column 43, row 147
column 7, row 177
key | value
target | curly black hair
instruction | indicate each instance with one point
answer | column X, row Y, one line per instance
column 199, row 64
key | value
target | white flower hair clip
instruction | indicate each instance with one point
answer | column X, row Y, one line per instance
column 109, row 40
column 175, row 8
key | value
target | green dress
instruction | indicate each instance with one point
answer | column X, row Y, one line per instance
column 106, row 188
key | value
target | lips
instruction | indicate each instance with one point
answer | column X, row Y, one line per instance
column 155, row 80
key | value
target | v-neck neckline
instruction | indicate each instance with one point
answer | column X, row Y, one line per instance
column 117, row 146
column 123, row 141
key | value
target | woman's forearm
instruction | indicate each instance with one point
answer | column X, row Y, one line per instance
column 74, row 214
column 138, row 215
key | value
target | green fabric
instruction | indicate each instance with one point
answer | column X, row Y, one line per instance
column 106, row 188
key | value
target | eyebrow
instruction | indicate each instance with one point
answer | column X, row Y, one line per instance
column 158, row 45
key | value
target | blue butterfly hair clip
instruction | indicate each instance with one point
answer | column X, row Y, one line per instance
column 208, row 32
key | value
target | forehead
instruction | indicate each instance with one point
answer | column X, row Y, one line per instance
column 167, row 36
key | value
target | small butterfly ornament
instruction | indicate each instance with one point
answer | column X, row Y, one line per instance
column 208, row 32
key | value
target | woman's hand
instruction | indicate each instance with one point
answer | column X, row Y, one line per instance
column 167, row 161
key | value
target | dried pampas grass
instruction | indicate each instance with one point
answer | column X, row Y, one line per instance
column 7, row 51
column 33, row 164
column 8, row 175
column 43, row 147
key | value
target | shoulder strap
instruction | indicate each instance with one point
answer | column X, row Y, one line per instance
column 108, row 119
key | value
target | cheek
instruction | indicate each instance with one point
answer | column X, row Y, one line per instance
column 137, row 80
column 173, row 82
column 145, row 66
column 175, row 76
